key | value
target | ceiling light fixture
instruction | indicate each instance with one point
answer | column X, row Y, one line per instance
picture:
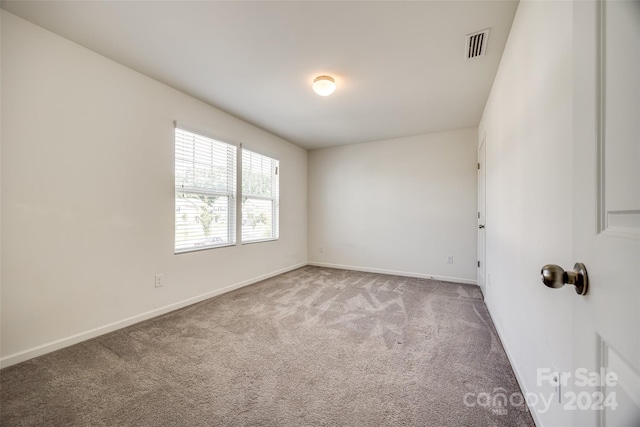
column 324, row 85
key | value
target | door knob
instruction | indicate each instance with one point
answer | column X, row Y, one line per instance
column 554, row 276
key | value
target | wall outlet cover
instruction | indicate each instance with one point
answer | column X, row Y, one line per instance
column 159, row 280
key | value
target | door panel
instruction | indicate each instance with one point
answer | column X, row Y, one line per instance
column 619, row 154
column 606, row 235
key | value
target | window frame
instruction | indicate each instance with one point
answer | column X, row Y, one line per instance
column 275, row 199
column 232, row 195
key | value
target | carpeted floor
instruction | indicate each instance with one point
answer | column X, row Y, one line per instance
column 312, row 347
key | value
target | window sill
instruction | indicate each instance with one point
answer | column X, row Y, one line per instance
column 260, row 241
column 203, row 248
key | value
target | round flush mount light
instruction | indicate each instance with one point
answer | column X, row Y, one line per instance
column 324, row 85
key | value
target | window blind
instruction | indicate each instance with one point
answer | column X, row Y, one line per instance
column 205, row 185
column 260, row 197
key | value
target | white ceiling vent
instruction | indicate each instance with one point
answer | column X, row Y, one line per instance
column 476, row 44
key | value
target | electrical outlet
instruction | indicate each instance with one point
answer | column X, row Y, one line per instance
column 450, row 259
column 321, row 250
column 159, row 280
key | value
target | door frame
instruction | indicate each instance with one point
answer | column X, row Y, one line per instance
column 482, row 215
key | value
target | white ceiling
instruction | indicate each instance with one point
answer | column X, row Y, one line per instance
column 399, row 66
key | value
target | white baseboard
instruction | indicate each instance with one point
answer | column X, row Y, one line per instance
column 21, row 356
column 519, row 379
column 395, row 273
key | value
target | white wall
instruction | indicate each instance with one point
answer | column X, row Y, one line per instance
column 528, row 125
column 88, row 195
column 400, row 206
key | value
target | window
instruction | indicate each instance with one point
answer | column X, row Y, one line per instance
column 205, row 171
column 260, row 197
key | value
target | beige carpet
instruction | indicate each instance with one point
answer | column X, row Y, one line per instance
column 312, row 347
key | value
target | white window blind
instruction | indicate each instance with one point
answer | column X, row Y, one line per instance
column 260, row 197
column 205, row 171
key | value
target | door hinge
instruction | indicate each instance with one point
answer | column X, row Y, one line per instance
column 478, row 264
column 478, row 166
column 478, row 215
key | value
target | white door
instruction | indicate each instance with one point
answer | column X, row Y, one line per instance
column 606, row 327
column 481, row 216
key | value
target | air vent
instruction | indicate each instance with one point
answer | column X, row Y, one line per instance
column 476, row 44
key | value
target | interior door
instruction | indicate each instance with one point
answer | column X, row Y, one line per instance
column 606, row 324
column 482, row 216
